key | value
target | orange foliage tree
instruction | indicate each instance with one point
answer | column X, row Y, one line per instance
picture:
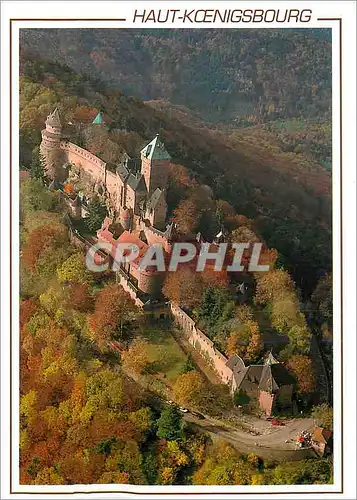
column 184, row 287
column 301, row 366
column 42, row 240
column 114, row 313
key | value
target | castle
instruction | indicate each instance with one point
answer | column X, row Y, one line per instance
column 132, row 195
column 134, row 192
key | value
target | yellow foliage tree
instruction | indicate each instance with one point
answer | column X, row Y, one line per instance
column 136, row 358
column 189, row 389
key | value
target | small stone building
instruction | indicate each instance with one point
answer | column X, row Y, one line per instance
column 270, row 385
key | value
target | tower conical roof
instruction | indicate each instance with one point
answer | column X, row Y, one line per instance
column 54, row 119
column 156, row 150
column 98, row 120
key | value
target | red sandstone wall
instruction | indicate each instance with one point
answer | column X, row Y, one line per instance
column 201, row 342
column 155, row 173
column 130, row 198
column 112, row 184
column 90, row 163
column 123, row 282
column 266, row 402
column 154, row 237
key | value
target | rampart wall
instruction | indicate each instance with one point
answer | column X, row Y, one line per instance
column 202, row 343
column 89, row 163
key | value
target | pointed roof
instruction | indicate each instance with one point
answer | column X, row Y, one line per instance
column 122, row 172
column 235, row 362
column 54, row 119
column 273, row 377
column 155, row 197
column 156, row 150
column 98, row 120
column 270, row 360
column 171, row 231
column 136, row 182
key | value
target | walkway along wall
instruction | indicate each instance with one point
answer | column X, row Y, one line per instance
column 202, row 343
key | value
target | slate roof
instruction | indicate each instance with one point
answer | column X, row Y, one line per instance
column 54, row 119
column 134, row 181
column 273, row 377
column 155, row 197
column 156, row 150
column 268, row 377
column 98, row 120
column 254, row 373
column 123, row 172
column 235, row 362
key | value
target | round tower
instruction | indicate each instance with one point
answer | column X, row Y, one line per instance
column 51, row 148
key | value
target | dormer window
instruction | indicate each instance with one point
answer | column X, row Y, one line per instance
column 148, row 150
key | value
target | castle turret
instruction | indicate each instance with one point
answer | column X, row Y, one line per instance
column 154, row 165
column 99, row 120
column 51, row 147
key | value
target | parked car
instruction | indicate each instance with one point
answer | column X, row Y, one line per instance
column 277, row 422
column 198, row 415
column 184, row 410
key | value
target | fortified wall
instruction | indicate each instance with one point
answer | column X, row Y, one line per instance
column 89, row 163
column 202, row 343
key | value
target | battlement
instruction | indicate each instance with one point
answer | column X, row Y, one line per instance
column 83, row 153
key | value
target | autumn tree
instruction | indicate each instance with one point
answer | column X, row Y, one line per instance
column 223, row 465
column 272, row 285
column 74, row 270
column 184, row 287
column 179, row 181
column 172, row 459
column 35, row 196
column 114, row 315
column 80, row 297
column 136, row 358
column 246, row 341
column 43, row 240
column 189, row 389
column 186, row 216
column 301, row 366
column 323, row 416
column 54, row 298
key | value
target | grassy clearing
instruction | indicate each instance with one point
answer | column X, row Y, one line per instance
column 166, row 356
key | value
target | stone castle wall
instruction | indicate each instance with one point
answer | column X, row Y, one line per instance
column 83, row 159
column 202, row 343
column 130, row 289
column 154, row 236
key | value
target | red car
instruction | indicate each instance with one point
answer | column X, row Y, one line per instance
column 276, row 422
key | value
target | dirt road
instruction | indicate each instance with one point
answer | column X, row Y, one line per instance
column 270, row 444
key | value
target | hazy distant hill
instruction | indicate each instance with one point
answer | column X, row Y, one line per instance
column 240, row 76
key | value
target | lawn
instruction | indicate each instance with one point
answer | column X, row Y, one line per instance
column 166, row 356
